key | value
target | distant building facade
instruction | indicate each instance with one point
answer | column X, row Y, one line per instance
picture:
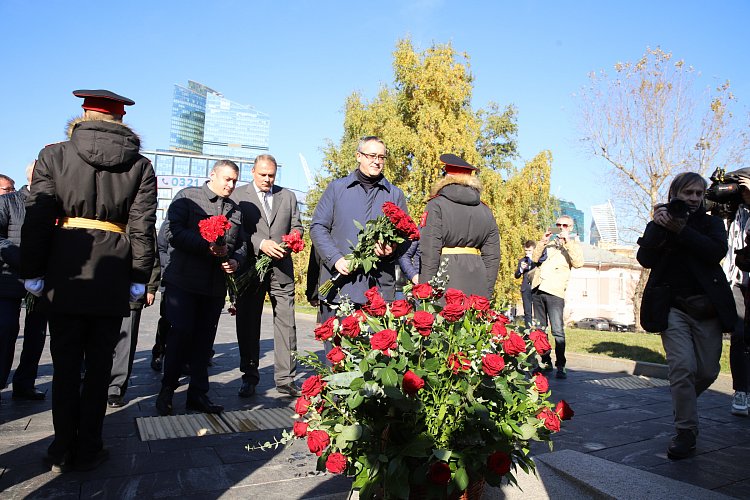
column 204, row 122
column 568, row 208
column 603, row 225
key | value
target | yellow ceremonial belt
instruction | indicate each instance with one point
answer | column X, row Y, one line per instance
column 84, row 223
column 460, row 250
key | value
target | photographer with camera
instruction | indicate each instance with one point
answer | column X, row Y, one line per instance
column 736, row 264
column 687, row 298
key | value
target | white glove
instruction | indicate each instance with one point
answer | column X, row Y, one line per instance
column 136, row 291
column 34, row 286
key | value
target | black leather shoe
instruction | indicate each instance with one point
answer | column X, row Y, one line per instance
column 246, row 390
column 203, row 405
column 290, row 389
column 164, row 401
column 92, row 462
column 29, row 395
column 156, row 363
column 682, row 445
column 115, row 401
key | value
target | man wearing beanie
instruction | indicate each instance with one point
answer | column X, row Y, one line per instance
column 87, row 249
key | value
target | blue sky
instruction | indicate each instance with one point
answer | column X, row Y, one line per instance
column 299, row 60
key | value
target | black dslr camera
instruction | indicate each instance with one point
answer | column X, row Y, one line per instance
column 678, row 209
column 723, row 196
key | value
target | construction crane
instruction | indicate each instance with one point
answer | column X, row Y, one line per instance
column 308, row 173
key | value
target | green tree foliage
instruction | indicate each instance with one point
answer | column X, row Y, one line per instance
column 427, row 112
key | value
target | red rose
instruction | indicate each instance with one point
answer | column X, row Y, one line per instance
column 336, row 355
column 384, row 340
column 550, row 419
column 479, row 303
column 317, row 441
column 492, row 364
column 213, row 228
column 542, row 385
column 325, row 330
column 422, row 321
column 300, row 429
column 375, row 307
column 453, row 296
column 458, row 362
column 499, row 463
column 514, row 344
column 312, row 386
column 336, row 463
column 440, row 473
column 302, row 405
column 422, row 291
column 453, row 311
column 400, row 308
column 541, row 344
column 372, row 293
column 499, row 330
column 390, row 209
column 350, row 327
column 502, row 318
column 412, row 383
column 294, row 241
column 563, row 410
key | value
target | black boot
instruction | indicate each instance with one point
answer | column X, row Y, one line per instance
column 164, row 401
column 683, row 444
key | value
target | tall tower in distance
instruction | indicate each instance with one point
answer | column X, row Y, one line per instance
column 603, row 224
column 206, row 122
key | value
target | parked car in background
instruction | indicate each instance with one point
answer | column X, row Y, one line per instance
column 601, row 324
column 617, row 326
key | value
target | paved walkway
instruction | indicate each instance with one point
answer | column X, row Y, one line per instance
column 615, row 446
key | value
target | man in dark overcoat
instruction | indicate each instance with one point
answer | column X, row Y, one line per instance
column 457, row 226
column 269, row 212
column 195, row 284
column 87, row 247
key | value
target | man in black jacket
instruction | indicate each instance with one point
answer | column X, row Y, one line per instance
column 87, row 247
column 12, row 211
column 195, row 286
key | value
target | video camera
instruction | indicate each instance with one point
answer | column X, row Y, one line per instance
column 723, row 196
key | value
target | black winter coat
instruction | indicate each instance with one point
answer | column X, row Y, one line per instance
column 696, row 251
column 97, row 174
column 12, row 211
column 455, row 217
column 191, row 266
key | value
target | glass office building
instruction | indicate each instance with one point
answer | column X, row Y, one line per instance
column 205, row 122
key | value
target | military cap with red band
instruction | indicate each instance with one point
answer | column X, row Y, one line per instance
column 456, row 165
column 103, row 101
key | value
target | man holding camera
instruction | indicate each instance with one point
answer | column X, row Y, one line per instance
column 559, row 256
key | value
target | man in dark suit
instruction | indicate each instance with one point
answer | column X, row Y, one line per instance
column 268, row 213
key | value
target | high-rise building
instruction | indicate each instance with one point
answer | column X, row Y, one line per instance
column 205, row 122
column 603, row 224
column 568, row 208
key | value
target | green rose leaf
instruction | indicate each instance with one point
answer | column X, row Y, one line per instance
column 528, row 431
column 343, row 379
column 461, row 479
column 389, row 377
column 443, row 455
column 404, row 340
column 354, row 400
column 351, row 432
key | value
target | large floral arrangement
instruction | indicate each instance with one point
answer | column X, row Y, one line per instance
column 394, row 226
column 419, row 396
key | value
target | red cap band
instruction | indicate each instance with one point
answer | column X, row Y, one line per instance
column 104, row 105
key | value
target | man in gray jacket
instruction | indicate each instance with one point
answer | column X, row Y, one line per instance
column 268, row 213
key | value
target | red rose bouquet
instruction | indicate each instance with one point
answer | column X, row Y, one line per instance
column 214, row 230
column 291, row 242
column 393, row 227
column 420, row 396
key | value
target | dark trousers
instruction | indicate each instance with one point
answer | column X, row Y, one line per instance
column 162, row 330
column 528, row 300
column 124, row 353
column 193, row 319
column 249, row 311
column 78, row 408
column 550, row 306
column 739, row 358
column 34, row 335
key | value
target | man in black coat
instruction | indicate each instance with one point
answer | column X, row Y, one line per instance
column 12, row 211
column 195, row 284
column 456, row 225
column 268, row 213
column 87, row 247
